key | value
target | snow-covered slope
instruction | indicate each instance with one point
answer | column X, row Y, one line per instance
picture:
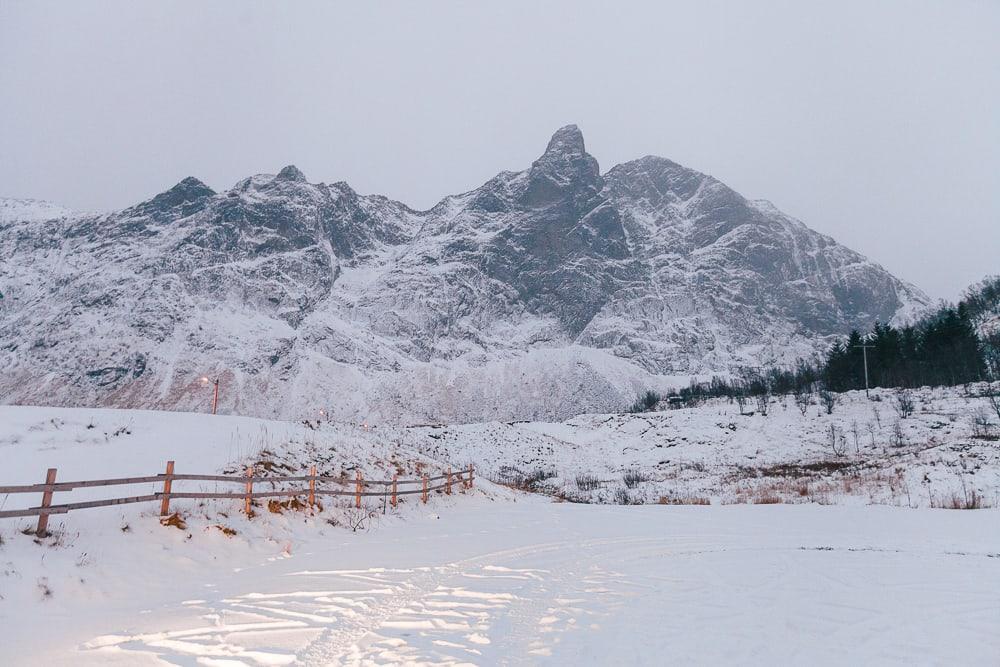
column 544, row 293
column 27, row 210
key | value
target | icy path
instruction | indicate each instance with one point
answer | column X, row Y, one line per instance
column 536, row 582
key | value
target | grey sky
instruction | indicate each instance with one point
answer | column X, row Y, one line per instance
column 875, row 122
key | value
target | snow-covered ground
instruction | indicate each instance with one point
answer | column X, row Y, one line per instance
column 497, row 575
column 556, row 583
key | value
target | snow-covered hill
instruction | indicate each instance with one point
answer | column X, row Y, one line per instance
column 544, row 293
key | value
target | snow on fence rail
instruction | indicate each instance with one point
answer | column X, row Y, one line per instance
column 390, row 489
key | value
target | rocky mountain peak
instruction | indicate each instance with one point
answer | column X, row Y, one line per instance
column 564, row 169
column 566, row 140
column 190, row 192
column 291, row 173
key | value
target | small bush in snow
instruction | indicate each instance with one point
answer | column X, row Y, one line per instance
column 683, row 500
column 510, row 476
column 587, row 483
column 904, row 403
column 898, row 438
column 803, row 399
column 633, row 478
column 829, row 400
column 622, row 497
column 836, row 441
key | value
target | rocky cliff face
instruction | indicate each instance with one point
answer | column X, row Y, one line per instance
column 542, row 293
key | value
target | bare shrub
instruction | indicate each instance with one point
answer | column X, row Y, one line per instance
column 836, row 441
column 741, row 400
column 587, row 483
column 360, row 519
column 525, row 481
column 904, row 403
column 992, row 397
column 828, row 400
column 982, row 427
column 622, row 497
column 898, row 438
column 803, row 399
column 856, row 433
column 683, row 500
column 763, row 402
column 634, row 478
column 766, row 499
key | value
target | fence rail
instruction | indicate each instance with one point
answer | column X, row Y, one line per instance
column 390, row 489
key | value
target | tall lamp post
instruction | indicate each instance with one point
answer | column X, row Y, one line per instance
column 864, row 350
column 215, row 397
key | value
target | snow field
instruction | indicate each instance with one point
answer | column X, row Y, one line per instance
column 499, row 576
column 535, row 582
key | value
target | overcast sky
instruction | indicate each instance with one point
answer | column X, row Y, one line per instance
column 875, row 122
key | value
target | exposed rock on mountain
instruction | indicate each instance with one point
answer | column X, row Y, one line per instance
column 542, row 293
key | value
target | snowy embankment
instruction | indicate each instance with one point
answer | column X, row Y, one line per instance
column 863, row 452
column 477, row 576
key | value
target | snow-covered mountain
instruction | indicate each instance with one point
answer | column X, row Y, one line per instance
column 543, row 293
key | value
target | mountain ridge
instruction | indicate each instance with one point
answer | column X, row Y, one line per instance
column 541, row 293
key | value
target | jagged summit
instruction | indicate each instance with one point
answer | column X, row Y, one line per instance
column 291, row 173
column 564, row 169
column 542, row 293
column 566, row 140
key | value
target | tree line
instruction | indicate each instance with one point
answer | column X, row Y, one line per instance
column 956, row 344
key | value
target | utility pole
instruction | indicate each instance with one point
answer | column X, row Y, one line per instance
column 864, row 350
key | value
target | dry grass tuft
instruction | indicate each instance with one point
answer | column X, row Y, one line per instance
column 972, row 500
column 275, row 506
column 174, row 520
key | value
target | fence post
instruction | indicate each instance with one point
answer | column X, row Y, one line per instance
column 43, row 519
column 312, row 486
column 394, row 477
column 167, row 482
column 357, row 491
column 249, row 493
column 424, row 495
column 447, row 489
column 470, row 475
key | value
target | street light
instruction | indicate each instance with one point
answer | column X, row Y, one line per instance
column 865, row 346
column 215, row 398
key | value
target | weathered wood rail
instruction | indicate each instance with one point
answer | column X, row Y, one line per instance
column 390, row 490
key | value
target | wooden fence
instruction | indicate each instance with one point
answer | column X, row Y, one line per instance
column 391, row 489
